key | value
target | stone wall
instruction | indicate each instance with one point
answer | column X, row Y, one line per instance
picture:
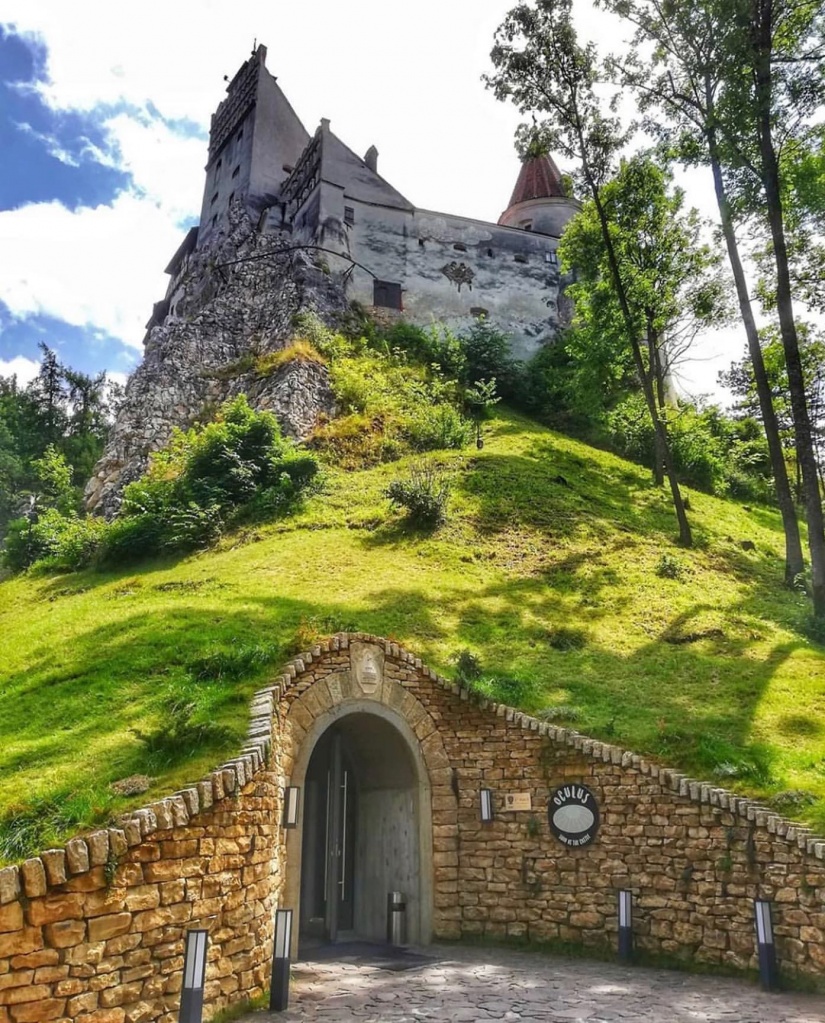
column 235, row 301
column 94, row 932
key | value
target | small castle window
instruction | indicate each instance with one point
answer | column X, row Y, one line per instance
column 349, row 215
column 386, row 294
column 239, row 137
column 520, row 257
column 421, row 243
column 460, row 247
column 218, row 166
column 490, row 253
column 231, row 196
column 215, row 220
column 215, row 198
column 551, row 257
column 526, row 225
column 236, row 172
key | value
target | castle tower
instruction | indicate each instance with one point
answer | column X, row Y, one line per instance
column 255, row 140
column 539, row 202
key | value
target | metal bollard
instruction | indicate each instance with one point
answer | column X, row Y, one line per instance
column 396, row 919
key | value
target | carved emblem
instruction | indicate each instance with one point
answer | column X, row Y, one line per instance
column 367, row 661
column 459, row 273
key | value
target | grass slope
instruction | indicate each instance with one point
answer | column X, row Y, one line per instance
column 547, row 570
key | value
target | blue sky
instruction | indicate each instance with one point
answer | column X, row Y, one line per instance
column 104, row 114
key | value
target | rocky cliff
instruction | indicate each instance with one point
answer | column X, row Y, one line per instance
column 235, row 303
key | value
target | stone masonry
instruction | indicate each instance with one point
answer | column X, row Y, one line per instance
column 236, row 301
column 93, row 932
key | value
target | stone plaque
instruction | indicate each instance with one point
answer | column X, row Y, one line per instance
column 367, row 661
column 334, row 686
column 518, row 801
column 574, row 815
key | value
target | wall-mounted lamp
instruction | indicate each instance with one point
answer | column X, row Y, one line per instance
column 194, row 971
column 626, row 926
column 279, row 989
column 291, row 800
column 768, row 969
column 486, row 804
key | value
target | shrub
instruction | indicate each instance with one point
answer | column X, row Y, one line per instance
column 63, row 542
column 424, row 494
column 467, row 667
column 668, row 567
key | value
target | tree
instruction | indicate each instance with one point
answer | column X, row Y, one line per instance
column 739, row 378
column 542, row 68
column 672, row 279
column 678, row 68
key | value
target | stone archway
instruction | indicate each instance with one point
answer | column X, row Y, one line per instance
column 399, row 758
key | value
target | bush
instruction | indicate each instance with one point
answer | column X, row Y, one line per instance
column 63, row 542
column 424, row 494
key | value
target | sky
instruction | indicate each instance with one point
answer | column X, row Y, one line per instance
column 104, row 115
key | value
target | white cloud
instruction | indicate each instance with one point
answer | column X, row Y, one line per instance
column 95, row 266
column 445, row 142
column 24, row 369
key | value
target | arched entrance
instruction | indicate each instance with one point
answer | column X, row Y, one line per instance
column 366, row 827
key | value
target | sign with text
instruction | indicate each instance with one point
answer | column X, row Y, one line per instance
column 518, row 801
column 574, row 815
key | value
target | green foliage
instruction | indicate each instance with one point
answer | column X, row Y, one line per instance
column 238, row 468
column 424, row 495
column 467, row 667
column 668, row 567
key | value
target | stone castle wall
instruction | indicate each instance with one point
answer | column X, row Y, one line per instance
column 94, row 932
column 235, row 302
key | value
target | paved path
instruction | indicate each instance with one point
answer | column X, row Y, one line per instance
column 468, row 984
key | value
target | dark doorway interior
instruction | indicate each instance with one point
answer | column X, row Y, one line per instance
column 360, row 832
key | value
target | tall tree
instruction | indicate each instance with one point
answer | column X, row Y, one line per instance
column 677, row 68
column 671, row 277
column 541, row 67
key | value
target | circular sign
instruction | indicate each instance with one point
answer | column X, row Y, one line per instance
column 574, row 815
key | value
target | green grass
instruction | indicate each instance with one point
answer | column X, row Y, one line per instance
column 548, row 569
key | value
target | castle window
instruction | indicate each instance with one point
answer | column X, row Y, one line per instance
column 231, row 196
column 386, row 294
column 490, row 253
column 236, row 172
column 520, row 258
column 215, row 198
column 215, row 221
column 421, row 243
column 349, row 215
column 218, row 166
column 460, row 247
column 526, row 225
column 551, row 257
column 239, row 137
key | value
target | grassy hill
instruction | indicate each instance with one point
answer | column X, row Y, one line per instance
column 557, row 569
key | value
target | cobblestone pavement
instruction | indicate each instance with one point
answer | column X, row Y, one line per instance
column 463, row 985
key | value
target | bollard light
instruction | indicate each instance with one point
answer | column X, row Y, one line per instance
column 279, row 990
column 194, row 971
column 626, row 926
column 291, row 800
column 486, row 804
column 768, row 969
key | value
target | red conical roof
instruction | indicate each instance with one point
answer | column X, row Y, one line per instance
column 539, row 178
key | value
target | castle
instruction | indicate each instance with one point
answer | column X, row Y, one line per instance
column 290, row 223
column 430, row 265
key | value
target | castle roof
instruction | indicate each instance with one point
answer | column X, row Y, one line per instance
column 539, row 178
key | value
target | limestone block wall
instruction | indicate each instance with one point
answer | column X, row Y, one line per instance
column 94, row 932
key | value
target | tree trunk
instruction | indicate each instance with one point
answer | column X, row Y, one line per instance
column 659, row 453
column 784, row 307
column 794, row 563
column 685, row 536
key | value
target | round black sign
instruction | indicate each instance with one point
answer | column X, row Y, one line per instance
column 574, row 815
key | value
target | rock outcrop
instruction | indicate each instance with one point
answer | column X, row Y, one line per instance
column 236, row 303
